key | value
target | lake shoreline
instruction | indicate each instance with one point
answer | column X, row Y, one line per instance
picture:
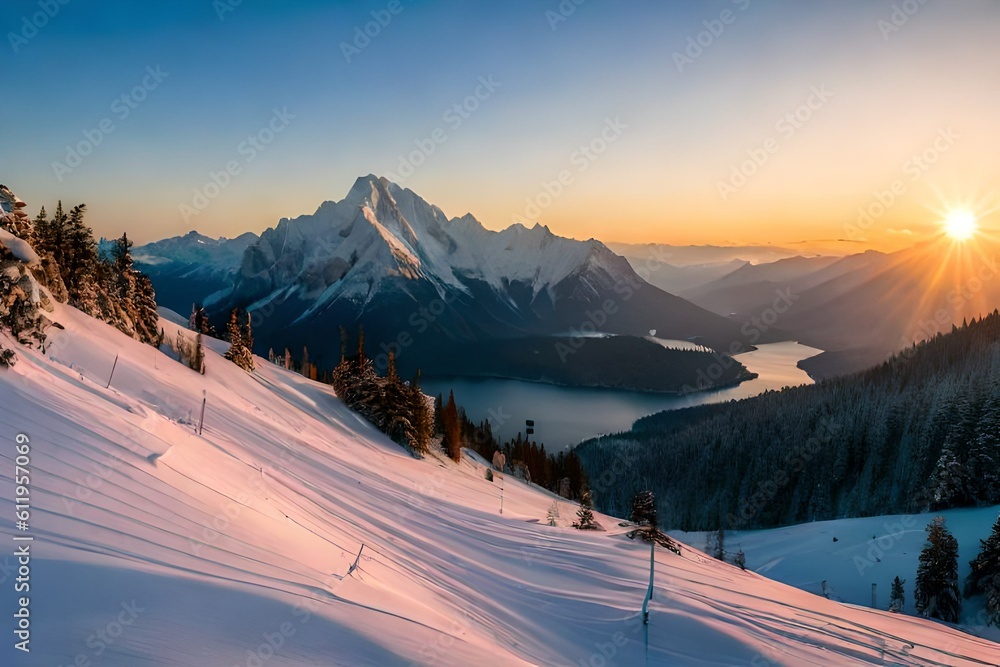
column 565, row 416
column 625, row 390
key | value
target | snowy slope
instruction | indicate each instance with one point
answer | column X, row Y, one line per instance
column 870, row 550
column 156, row 546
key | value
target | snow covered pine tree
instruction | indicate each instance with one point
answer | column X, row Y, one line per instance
column 985, row 576
column 240, row 340
column 585, row 515
column 897, row 596
column 936, row 593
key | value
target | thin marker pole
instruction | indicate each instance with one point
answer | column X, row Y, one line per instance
column 201, row 422
column 113, row 367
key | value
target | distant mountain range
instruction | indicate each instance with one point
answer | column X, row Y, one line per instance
column 435, row 288
column 432, row 287
column 860, row 308
column 191, row 267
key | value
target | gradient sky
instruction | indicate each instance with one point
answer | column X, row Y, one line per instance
column 892, row 94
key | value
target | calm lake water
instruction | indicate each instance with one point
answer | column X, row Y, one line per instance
column 564, row 416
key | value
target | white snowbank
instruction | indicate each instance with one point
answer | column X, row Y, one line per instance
column 234, row 547
column 21, row 248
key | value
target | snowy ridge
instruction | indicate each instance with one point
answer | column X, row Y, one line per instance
column 243, row 546
column 380, row 229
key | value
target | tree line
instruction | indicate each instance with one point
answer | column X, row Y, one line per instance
column 937, row 593
column 917, row 433
column 103, row 284
column 402, row 411
column 561, row 473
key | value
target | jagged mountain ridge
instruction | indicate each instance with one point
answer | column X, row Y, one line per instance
column 385, row 258
column 192, row 264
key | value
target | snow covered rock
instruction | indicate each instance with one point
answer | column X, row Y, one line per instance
column 22, row 299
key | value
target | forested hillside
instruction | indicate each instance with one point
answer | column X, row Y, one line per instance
column 921, row 431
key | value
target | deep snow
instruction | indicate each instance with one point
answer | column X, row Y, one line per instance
column 156, row 546
column 869, row 550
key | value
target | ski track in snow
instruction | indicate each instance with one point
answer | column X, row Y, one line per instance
column 224, row 539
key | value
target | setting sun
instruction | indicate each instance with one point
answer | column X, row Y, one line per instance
column 960, row 225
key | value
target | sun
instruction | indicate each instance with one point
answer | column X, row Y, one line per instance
column 960, row 224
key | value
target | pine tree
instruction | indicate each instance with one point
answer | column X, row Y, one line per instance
column 121, row 253
column 984, row 579
column 719, row 545
column 365, row 394
column 948, row 485
column 452, row 429
column 984, row 456
column 144, row 316
column 397, row 406
column 182, row 348
column 644, row 515
column 54, row 242
column 81, row 249
column 439, row 414
column 240, row 340
column 421, row 417
column 199, row 320
column 41, row 229
column 936, row 593
column 644, row 510
column 897, row 596
column 553, row 513
column 198, row 355
column 585, row 515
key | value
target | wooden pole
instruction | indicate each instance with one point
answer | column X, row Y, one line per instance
column 649, row 591
column 201, row 422
column 113, row 367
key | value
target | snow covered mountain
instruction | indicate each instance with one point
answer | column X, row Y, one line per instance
column 195, row 248
column 435, row 286
column 290, row 532
column 191, row 267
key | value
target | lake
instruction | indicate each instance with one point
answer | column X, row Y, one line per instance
column 565, row 416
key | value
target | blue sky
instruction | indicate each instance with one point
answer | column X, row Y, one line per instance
column 559, row 85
